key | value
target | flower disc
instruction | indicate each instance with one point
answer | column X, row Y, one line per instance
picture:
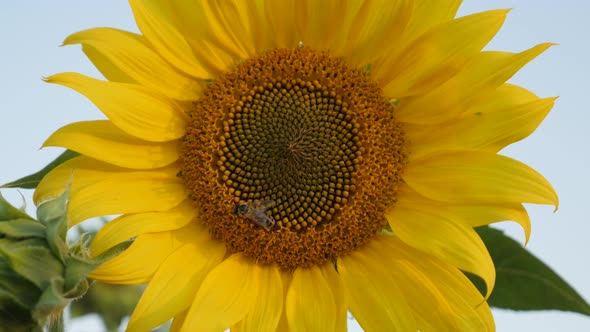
column 300, row 129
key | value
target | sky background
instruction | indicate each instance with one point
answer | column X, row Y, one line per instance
column 31, row 31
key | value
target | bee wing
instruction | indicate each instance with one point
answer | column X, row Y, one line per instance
column 267, row 204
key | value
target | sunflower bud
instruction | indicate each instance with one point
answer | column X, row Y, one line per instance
column 39, row 273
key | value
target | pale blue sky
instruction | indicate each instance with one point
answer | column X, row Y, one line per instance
column 31, row 31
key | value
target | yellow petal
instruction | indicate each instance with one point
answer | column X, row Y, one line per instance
column 226, row 295
column 240, row 26
column 374, row 298
column 310, row 303
column 139, row 111
column 266, row 310
column 430, row 13
column 442, row 298
column 440, row 53
column 258, row 26
column 286, row 277
column 219, row 32
column 106, row 67
column 131, row 54
column 137, row 264
column 479, row 215
column 154, row 21
column 485, row 72
column 178, row 321
column 359, row 31
column 337, row 286
column 425, row 15
column 311, row 17
column 504, row 97
column 471, row 215
column 174, row 285
column 475, row 177
column 484, row 131
column 103, row 141
column 234, row 17
column 377, row 35
column 281, row 18
column 443, row 238
column 99, row 189
column 216, row 48
column 131, row 225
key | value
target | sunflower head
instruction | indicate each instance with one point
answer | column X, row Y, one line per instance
column 281, row 162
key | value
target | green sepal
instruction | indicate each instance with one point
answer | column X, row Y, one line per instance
column 80, row 248
column 9, row 212
column 523, row 282
column 31, row 259
column 16, row 289
column 79, row 290
column 111, row 302
column 112, row 252
column 31, row 181
column 75, row 283
column 53, row 214
column 22, row 228
column 51, row 302
column 39, row 273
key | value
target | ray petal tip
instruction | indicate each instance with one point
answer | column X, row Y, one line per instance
column 50, row 78
column 555, row 201
column 68, row 41
column 547, row 45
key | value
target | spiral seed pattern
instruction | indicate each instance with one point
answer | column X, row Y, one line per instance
column 293, row 142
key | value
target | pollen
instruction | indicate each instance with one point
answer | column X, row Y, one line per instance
column 302, row 129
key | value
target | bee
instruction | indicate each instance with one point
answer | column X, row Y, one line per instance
column 256, row 211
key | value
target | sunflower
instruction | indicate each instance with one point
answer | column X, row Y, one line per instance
column 280, row 163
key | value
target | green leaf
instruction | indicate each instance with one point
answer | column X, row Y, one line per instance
column 31, row 181
column 524, row 282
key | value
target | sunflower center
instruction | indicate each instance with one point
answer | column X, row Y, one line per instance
column 294, row 145
column 293, row 157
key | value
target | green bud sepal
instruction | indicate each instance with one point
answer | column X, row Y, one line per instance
column 39, row 273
